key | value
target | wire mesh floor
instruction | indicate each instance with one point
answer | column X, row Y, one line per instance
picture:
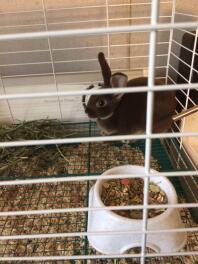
column 70, row 222
column 82, row 159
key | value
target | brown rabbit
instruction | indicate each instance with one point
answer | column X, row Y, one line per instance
column 126, row 113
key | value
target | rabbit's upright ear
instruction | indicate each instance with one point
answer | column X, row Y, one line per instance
column 119, row 79
column 106, row 71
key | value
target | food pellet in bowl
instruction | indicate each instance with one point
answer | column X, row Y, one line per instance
column 123, row 192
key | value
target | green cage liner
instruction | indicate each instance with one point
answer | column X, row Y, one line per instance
column 75, row 194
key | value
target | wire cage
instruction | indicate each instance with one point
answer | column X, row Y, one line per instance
column 51, row 154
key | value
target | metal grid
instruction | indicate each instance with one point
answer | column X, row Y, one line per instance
column 74, row 195
column 182, row 68
column 60, row 241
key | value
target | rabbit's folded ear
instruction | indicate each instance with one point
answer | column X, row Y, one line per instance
column 119, row 79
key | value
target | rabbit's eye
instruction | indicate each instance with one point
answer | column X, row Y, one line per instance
column 101, row 103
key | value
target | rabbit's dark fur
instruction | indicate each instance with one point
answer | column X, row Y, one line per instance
column 126, row 113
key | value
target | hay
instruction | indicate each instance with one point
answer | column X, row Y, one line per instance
column 33, row 160
column 52, row 160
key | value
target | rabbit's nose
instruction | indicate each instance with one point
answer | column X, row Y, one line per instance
column 90, row 113
column 88, row 110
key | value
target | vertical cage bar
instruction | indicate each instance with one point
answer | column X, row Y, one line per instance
column 170, row 38
column 108, row 35
column 51, row 57
column 149, row 120
column 168, row 63
column 8, row 102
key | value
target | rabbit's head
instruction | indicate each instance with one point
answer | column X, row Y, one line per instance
column 103, row 106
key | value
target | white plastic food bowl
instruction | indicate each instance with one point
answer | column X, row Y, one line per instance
column 106, row 221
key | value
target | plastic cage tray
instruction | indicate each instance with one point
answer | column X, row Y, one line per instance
column 74, row 194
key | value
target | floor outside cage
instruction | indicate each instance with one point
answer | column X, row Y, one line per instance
column 75, row 194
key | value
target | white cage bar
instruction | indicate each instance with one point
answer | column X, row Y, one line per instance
column 156, row 59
